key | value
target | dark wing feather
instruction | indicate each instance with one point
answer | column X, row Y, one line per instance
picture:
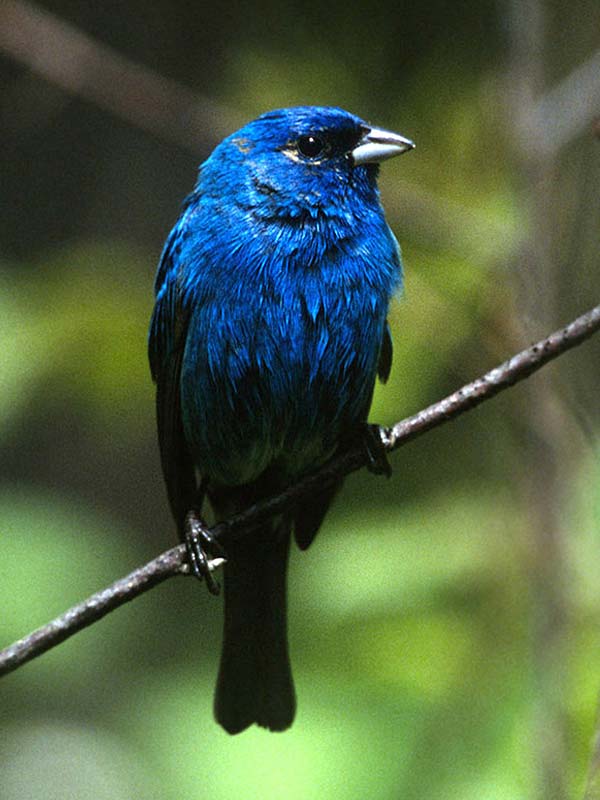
column 385, row 355
column 166, row 344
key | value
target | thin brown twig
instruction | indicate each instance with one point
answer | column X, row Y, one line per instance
column 172, row 562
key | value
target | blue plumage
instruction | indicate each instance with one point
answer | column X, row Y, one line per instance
column 268, row 332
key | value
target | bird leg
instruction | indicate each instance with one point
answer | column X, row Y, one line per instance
column 373, row 441
column 201, row 545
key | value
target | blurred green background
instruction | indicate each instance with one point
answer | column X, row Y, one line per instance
column 445, row 626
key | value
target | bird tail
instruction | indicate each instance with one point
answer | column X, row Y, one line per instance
column 255, row 678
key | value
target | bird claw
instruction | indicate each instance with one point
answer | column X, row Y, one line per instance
column 373, row 439
column 200, row 545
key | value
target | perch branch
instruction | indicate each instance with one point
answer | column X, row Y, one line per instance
column 173, row 562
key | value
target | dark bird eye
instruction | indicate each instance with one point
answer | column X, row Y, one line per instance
column 311, row 146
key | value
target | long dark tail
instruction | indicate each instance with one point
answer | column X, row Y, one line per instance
column 255, row 679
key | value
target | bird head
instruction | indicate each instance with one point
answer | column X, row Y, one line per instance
column 302, row 163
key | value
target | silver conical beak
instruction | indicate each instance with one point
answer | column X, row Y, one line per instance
column 377, row 145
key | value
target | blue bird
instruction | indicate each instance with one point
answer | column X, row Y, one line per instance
column 267, row 336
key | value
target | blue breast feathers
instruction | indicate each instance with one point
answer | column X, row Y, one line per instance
column 284, row 335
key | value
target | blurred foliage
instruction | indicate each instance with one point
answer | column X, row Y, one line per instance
column 413, row 615
column 83, row 335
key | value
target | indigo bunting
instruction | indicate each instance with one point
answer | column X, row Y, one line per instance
column 267, row 336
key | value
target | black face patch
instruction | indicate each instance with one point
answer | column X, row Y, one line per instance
column 318, row 145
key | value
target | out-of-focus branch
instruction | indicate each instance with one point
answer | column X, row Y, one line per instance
column 172, row 562
column 80, row 65
column 546, row 120
column 566, row 110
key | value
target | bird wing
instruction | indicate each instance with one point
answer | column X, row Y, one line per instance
column 166, row 345
column 308, row 519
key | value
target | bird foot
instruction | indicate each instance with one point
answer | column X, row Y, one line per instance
column 205, row 554
column 373, row 439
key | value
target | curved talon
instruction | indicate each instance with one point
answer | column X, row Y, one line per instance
column 376, row 452
column 200, row 544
